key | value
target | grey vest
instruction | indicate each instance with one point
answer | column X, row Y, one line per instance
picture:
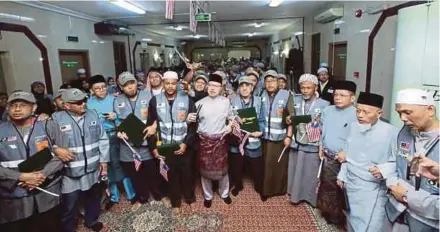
column 13, row 150
column 316, row 109
column 237, row 103
column 272, row 109
column 172, row 121
column 406, row 146
column 83, row 142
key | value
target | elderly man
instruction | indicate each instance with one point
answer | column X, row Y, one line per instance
column 412, row 207
column 213, row 112
column 368, row 161
column 325, row 89
column 304, row 160
column 23, row 207
column 335, row 127
column 276, row 135
column 85, row 161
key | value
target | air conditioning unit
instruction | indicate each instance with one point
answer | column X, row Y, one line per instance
column 329, row 15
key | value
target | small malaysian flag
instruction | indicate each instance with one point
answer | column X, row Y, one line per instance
column 137, row 161
column 163, row 169
column 313, row 132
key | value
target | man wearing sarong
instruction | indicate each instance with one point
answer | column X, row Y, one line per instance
column 304, row 161
column 367, row 158
column 277, row 135
column 335, row 120
column 213, row 112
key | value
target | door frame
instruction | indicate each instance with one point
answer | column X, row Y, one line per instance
column 330, row 60
column 315, row 54
column 76, row 52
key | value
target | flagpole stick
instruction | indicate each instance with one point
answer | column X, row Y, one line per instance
column 47, row 192
column 281, row 155
column 320, row 167
column 125, row 141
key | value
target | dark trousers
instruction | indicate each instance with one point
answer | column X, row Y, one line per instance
column 239, row 164
column 38, row 222
column 70, row 203
column 147, row 180
column 180, row 179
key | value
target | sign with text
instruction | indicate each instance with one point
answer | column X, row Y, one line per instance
column 203, row 17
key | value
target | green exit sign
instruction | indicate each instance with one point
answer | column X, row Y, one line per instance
column 203, row 17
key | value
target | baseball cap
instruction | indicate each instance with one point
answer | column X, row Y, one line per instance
column 245, row 79
column 73, row 95
column 21, row 95
column 126, row 77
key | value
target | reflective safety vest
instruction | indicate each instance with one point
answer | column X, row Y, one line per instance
column 172, row 120
column 273, row 109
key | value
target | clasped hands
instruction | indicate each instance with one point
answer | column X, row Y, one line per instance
column 31, row 180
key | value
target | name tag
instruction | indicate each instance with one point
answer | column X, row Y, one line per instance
column 143, row 102
column 296, row 105
column 317, row 111
column 160, row 105
column 235, row 107
column 281, row 102
column 181, row 104
column 13, row 146
column 263, row 99
column 120, row 105
column 330, row 91
column 93, row 123
column 65, row 128
column 12, row 138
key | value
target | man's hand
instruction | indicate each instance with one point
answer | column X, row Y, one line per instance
column 42, row 117
column 321, row 153
column 398, row 191
column 192, row 117
column 150, row 131
column 256, row 134
column 185, row 86
column 340, row 156
column 340, row 183
column 122, row 135
column 156, row 154
column 182, row 149
column 110, row 116
column 64, row 154
column 289, row 120
column 428, row 168
column 103, row 168
column 287, row 142
column 31, row 180
column 375, row 172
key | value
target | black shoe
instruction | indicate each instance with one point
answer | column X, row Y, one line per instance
column 207, row 203
column 236, row 191
column 263, row 198
column 97, row 227
column 227, row 200
column 109, row 205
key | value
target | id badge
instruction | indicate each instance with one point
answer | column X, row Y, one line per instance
column 41, row 143
column 181, row 115
column 280, row 111
column 144, row 112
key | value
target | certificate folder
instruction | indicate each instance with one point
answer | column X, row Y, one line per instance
column 167, row 150
column 36, row 162
column 249, row 119
column 134, row 128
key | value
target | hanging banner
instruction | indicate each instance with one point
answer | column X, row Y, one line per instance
column 169, row 9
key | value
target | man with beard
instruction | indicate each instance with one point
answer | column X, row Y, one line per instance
column 23, row 207
column 171, row 109
column 213, row 113
column 304, row 160
column 85, row 160
column 325, row 89
column 153, row 82
column 367, row 162
column 81, row 75
column 44, row 101
column 3, row 111
column 277, row 135
column 147, row 179
column 412, row 207
column 336, row 121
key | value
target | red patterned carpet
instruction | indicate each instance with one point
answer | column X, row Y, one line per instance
column 246, row 213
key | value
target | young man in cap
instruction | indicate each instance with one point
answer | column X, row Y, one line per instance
column 44, row 101
column 276, row 103
column 325, row 89
column 102, row 103
column 336, row 121
column 282, row 81
column 147, row 179
column 252, row 158
column 171, row 109
column 412, row 207
column 304, row 160
column 199, row 92
column 23, row 207
column 367, row 161
column 213, row 113
column 85, row 160
column 254, row 76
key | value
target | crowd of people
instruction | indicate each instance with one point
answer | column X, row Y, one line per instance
column 319, row 145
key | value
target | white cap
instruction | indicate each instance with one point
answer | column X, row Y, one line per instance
column 414, row 97
column 170, row 75
column 322, row 69
column 308, row 77
column 81, row 71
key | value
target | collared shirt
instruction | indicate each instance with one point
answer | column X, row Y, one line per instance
column 103, row 106
column 322, row 86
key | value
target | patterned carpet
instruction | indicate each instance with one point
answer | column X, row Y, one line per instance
column 246, row 213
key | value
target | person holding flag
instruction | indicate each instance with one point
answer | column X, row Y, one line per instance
column 304, row 162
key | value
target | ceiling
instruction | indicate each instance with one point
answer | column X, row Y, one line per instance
column 235, row 19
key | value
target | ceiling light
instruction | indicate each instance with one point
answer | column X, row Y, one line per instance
column 275, row 3
column 197, row 36
column 122, row 28
column 94, row 41
column 177, row 28
column 41, row 36
column 128, row 6
column 298, row 33
column 257, row 25
column 101, row 42
column 16, row 17
column 251, row 34
column 365, row 31
column 146, row 40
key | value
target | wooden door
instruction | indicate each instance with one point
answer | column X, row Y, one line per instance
column 316, row 51
column 119, row 57
column 71, row 61
column 337, row 54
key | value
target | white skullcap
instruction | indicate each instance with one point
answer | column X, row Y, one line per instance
column 170, row 75
column 81, row 71
column 414, row 97
column 322, row 69
column 308, row 77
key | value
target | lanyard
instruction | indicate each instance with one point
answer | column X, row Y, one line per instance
column 243, row 104
column 135, row 102
column 310, row 108
column 26, row 144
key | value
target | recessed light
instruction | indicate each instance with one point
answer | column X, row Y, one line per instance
column 101, row 42
column 275, row 3
column 178, row 28
column 16, row 17
column 365, row 31
column 257, row 25
column 41, row 36
column 147, row 40
column 197, row 36
column 251, row 34
column 94, row 41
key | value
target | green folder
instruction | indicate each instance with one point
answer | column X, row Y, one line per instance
column 134, row 128
column 167, row 150
column 300, row 119
column 249, row 119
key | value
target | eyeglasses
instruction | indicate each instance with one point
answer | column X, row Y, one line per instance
column 19, row 105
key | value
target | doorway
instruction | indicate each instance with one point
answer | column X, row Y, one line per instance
column 5, row 71
column 337, row 53
column 316, row 52
column 71, row 61
column 119, row 57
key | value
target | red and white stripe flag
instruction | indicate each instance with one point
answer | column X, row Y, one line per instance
column 163, row 169
column 192, row 16
column 313, row 132
column 169, row 9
